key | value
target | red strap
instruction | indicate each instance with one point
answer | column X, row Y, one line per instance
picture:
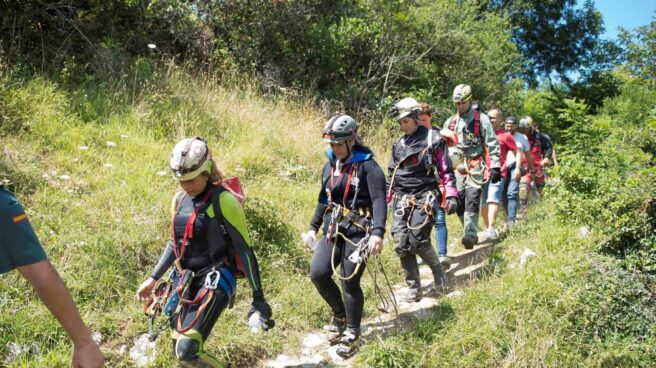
column 348, row 185
column 199, row 312
column 477, row 123
column 189, row 228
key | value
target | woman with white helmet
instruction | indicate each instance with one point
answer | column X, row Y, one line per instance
column 353, row 212
column 209, row 245
column 417, row 169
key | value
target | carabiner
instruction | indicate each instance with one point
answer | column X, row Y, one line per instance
column 212, row 279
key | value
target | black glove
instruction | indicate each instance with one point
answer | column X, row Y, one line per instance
column 495, row 175
column 451, row 205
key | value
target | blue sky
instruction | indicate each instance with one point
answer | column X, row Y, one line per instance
column 624, row 13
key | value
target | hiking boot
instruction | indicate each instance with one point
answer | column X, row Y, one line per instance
column 336, row 329
column 490, row 234
column 434, row 291
column 445, row 262
column 412, row 295
column 349, row 344
column 469, row 241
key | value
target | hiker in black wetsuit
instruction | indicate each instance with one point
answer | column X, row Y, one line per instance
column 209, row 245
column 352, row 210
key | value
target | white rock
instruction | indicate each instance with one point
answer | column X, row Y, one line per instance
column 122, row 349
column 152, row 46
column 313, row 340
column 143, row 352
column 65, row 177
column 455, row 294
column 584, row 231
column 161, row 173
column 108, row 165
column 83, row 148
column 12, row 351
column 526, row 255
column 111, row 144
column 97, row 337
column 123, row 136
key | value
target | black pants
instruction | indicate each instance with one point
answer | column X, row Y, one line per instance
column 321, row 274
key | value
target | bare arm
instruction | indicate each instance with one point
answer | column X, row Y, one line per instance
column 51, row 290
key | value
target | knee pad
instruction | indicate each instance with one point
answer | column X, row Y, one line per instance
column 187, row 349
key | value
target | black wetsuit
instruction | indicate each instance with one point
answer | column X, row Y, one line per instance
column 371, row 197
column 216, row 241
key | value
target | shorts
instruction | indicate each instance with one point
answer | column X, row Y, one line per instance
column 492, row 192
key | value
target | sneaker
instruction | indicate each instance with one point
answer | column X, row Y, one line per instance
column 490, row 234
column 349, row 344
column 336, row 329
column 469, row 241
column 445, row 262
column 413, row 295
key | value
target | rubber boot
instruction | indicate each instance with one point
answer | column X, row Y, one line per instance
column 411, row 270
column 432, row 260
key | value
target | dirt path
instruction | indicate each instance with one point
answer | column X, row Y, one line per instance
column 317, row 352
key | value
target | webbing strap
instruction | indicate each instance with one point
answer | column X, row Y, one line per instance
column 189, row 227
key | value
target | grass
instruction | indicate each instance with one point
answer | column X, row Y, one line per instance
column 102, row 216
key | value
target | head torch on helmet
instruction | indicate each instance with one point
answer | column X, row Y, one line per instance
column 190, row 158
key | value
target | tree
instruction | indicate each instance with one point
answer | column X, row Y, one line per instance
column 554, row 36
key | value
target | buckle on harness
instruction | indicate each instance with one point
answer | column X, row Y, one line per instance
column 212, row 279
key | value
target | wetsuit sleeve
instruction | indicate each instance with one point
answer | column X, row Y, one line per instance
column 439, row 158
column 376, row 185
column 165, row 261
column 19, row 245
column 491, row 141
column 235, row 223
column 322, row 202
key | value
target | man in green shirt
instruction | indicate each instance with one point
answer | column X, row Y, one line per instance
column 476, row 140
column 20, row 249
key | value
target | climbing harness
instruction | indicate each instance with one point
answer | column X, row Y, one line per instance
column 413, row 203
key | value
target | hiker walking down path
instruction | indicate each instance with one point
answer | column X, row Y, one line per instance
column 352, row 211
column 418, row 168
column 476, row 139
column 209, row 247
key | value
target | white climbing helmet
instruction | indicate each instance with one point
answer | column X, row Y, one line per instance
column 190, row 158
column 404, row 108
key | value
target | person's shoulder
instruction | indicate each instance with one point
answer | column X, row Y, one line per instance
column 7, row 199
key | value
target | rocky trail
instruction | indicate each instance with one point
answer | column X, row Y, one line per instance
column 316, row 350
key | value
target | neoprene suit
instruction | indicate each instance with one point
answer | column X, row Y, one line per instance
column 215, row 241
column 370, row 196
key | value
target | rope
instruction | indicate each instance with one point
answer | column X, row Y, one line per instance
column 413, row 203
column 387, row 297
column 362, row 248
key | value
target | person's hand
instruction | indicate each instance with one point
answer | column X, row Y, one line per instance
column 517, row 174
column 375, row 244
column 545, row 162
column 310, row 239
column 451, row 205
column 88, row 355
column 145, row 289
column 495, row 175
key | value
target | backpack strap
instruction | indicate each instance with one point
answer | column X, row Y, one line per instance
column 477, row 124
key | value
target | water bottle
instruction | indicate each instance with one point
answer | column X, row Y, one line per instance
column 172, row 304
column 309, row 240
column 256, row 322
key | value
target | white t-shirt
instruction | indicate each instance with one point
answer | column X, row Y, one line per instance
column 522, row 146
